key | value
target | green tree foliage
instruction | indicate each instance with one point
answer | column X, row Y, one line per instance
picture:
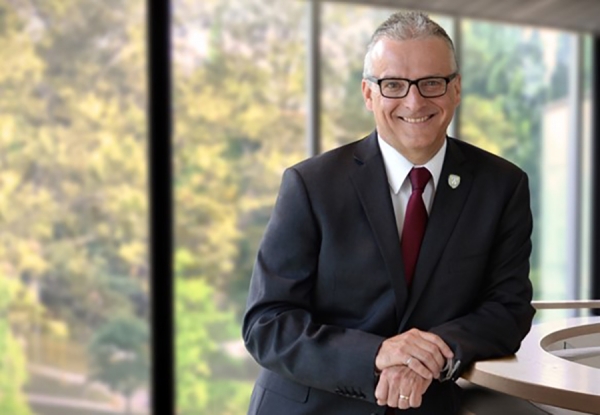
column 504, row 93
column 120, row 355
column 346, row 30
column 239, row 100
column 12, row 359
column 73, row 172
column 485, row 124
column 502, row 64
column 73, row 197
column 240, row 113
column 201, row 329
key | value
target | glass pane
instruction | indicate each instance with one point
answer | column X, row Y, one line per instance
column 586, row 170
column 74, row 287
column 240, row 114
column 346, row 31
column 516, row 103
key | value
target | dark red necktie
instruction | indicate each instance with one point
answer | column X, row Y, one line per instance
column 415, row 221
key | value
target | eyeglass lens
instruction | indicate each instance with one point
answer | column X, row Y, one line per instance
column 427, row 87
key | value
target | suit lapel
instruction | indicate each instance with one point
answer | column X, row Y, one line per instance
column 371, row 183
column 446, row 209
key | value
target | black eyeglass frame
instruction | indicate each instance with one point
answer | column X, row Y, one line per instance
column 411, row 82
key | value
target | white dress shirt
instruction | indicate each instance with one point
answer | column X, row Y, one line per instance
column 398, row 167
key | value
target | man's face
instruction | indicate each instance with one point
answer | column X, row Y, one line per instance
column 413, row 125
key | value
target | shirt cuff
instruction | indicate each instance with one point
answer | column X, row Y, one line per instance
column 449, row 370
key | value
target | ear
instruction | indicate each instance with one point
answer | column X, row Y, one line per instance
column 367, row 94
column 457, row 89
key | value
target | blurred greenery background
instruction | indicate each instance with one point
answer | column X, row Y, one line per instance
column 74, row 285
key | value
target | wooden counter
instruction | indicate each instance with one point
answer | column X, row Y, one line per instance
column 537, row 375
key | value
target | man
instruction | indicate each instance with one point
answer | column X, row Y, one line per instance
column 372, row 291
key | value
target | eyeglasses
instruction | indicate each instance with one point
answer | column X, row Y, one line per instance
column 429, row 87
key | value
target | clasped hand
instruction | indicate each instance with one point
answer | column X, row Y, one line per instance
column 407, row 364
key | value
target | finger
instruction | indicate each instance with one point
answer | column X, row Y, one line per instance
column 407, row 383
column 403, row 401
column 419, row 388
column 427, row 350
column 433, row 363
column 437, row 340
column 398, row 349
column 415, row 399
column 393, row 392
column 429, row 354
column 415, row 357
column 381, row 391
column 419, row 368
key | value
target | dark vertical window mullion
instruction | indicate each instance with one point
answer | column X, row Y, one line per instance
column 161, row 206
column 595, row 116
column 314, row 77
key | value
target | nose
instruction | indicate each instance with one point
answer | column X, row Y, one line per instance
column 413, row 99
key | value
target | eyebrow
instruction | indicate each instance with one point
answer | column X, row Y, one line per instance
column 437, row 75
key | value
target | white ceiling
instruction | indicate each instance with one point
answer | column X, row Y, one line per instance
column 570, row 15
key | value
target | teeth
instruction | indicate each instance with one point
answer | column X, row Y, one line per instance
column 416, row 120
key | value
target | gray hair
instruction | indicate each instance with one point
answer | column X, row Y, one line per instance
column 406, row 26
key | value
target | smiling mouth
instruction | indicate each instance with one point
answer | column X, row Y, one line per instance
column 416, row 120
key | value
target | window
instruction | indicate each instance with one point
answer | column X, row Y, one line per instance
column 240, row 115
column 74, row 288
column 518, row 102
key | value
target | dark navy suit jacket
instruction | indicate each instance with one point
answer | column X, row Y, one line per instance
column 328, row 284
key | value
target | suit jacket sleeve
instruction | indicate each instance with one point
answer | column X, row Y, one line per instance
column 503, row 317
column 280, row 328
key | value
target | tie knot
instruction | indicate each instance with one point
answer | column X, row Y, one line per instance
column 419, row 176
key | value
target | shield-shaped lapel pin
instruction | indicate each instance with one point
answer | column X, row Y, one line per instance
column 453, row 181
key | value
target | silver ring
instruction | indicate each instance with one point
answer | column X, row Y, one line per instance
column 404, row 397
column 408, row 361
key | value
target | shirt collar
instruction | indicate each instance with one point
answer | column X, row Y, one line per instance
column 397, row 166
